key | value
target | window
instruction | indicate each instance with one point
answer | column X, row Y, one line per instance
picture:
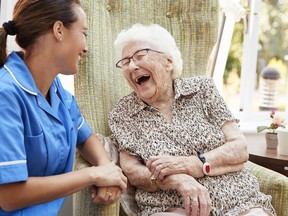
column 256, row 73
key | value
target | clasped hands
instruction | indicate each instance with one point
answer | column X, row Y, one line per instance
column 110, row 184
column 172, row 173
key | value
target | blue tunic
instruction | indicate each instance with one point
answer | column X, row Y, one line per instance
column 36, row 138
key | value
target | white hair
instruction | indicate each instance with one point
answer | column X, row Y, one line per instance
column 155, row 35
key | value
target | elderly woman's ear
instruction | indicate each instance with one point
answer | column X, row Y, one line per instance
column 169, row 63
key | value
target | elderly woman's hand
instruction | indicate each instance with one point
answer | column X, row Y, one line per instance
column 164, row 165
column 196, row 197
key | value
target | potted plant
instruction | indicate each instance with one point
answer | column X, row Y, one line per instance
column 271, row 136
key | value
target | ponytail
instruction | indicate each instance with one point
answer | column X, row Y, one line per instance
column 3, row 46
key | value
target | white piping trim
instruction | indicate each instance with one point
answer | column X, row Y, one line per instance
column 13, row 162
column 31, row 92
column 81, row 124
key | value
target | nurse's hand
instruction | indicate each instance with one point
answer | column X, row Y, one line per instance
column 108, row 175
column 105, row 195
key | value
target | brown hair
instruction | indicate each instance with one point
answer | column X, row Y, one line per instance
column 34, row 18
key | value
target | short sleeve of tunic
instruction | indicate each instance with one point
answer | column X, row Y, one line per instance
column 84, row 130
column 12, row 155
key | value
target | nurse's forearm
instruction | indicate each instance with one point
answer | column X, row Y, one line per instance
column 93, row 151
column 38, row 190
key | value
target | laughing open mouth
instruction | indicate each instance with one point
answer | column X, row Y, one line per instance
column 142, row 79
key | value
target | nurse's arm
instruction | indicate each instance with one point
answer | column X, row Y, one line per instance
column 38, row 190
column 93, row 151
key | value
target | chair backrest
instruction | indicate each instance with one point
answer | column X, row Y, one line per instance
column 99, row 85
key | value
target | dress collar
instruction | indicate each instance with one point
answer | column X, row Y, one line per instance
column 182, row 87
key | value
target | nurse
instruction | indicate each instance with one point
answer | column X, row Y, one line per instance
column 40, row 122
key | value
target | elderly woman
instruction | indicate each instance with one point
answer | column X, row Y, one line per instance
column 179, row 144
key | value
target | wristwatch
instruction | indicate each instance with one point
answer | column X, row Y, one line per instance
column 206, row 166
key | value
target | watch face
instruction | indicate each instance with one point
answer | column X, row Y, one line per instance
column 206, row 168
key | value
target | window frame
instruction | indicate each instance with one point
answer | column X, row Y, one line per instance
column 249, row 120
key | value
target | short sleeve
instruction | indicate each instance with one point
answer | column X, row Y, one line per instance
column 13, row 165
column 125, row 133
column 84, row 130
column 123, row 126
column 214, row 106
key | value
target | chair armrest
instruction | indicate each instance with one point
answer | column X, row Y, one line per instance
column 274, row 184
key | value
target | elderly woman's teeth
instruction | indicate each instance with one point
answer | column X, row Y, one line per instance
column 141, row 79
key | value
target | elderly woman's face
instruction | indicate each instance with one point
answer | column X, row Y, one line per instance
column 147, row 70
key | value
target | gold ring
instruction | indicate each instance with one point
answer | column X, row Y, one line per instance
column 109, row 194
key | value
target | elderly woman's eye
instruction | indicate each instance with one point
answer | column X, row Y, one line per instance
column 125, row 62
column 139, row 56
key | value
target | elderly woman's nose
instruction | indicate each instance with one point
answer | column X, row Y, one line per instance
column 132, row 65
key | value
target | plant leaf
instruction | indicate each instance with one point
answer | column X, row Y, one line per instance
column 261, row 128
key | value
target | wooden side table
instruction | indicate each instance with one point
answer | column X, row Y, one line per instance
column 269, row 158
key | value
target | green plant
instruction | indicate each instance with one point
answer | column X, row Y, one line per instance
column 276, row 122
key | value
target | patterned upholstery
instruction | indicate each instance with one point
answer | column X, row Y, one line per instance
column 99, row 85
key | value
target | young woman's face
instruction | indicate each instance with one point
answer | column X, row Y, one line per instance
column 149, row 77
column 74, row 44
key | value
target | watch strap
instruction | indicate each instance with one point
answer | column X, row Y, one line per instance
column 201, row 156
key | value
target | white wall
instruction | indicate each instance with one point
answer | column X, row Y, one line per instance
column 5, row 16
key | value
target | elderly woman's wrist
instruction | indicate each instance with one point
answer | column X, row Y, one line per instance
column 194, row 167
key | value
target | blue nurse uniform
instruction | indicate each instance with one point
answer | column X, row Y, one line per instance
column 36, row 138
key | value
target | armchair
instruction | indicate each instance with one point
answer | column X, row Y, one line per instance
column 98, row 85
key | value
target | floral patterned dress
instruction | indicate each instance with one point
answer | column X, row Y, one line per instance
column 199, row 112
